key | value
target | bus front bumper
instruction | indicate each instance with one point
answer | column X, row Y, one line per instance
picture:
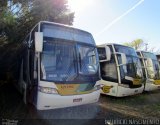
column 129, row 91
column 151, row 86
column 53, row 101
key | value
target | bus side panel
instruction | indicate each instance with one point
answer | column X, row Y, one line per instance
column 150, row 86
column 122, row 91
column 109, row 88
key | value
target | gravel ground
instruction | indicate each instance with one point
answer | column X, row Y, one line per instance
column 144, row 106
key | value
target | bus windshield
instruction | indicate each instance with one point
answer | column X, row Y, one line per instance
column 133, row 67
column 62, row 32
column 57, row 61
column 153, row 67
column 87, row 59
column 68, row 55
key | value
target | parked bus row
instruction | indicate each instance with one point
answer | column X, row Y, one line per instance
column 61, row 66
column 158, row 57
column 126, row 72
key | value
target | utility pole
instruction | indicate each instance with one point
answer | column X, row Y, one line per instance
column 146, row 46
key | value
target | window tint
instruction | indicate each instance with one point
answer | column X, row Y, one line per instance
column 110, row 46
column 153, row 68
column 31, row 65
column 143, row 68
column 88, row 59
column 102, row 53
column 138, row 53
column 57, row 61
column 62, row 32
column 132, row 68
column 126, row 50
column 149, row 55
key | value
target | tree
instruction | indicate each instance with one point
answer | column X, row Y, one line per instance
column 17, row 17
column 139, row 44
column 136, row 44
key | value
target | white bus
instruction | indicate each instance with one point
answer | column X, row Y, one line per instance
column 59, row 67
column 121, row 71
column 151, row 69
column 158, row 57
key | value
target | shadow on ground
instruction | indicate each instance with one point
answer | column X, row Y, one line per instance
column 108, row 108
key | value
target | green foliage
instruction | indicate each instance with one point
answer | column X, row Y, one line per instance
column 18, row 16
column 52, row 10
column 139, row 44
column 7, row 18
column 136, row 44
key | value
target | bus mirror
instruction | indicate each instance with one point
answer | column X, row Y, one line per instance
column 108, row 53
column 38, row 41
column 124, row 59
column 104, row 53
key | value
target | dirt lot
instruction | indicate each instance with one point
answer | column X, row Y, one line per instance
column 143, row 106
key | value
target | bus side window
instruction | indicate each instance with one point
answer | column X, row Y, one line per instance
column 25, row 64
column 138, row 53
column 143, row 68
column 141, row 61
column 109, row 70
column 102, row 53
column 32, row 60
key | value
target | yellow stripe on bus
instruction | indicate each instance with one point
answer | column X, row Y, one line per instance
column 70, row 89
column 137, row 81
column 106, row 89
column 157, row 82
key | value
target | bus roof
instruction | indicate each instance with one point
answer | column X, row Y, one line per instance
column 145, row 51
column 63, row 25
column 158, row 55
column 113, row 44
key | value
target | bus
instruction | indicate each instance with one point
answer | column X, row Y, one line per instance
column 151, row 70
column 59, row 67
column 158, row 57
column 121, row 71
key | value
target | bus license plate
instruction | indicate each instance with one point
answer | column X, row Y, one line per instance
column 136, row 91
column 77, row 100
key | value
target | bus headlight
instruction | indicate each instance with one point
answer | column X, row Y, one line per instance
column 91, row 69
column 47, row 90
column 98, row 87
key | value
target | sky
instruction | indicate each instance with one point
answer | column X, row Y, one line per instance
column 119, row 21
